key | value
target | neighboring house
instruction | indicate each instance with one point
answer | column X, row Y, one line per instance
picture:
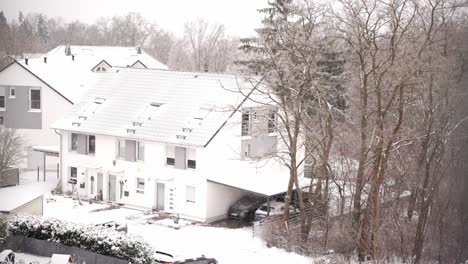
column 38, row 89
column 179, row 142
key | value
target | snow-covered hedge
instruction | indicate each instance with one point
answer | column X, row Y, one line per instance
column 96, row 239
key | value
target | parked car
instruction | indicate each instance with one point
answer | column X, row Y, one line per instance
column 244, row 209
column 276, row 208
column 163, row 257
column 166, row 258
column 200, row 260
column 7, row 256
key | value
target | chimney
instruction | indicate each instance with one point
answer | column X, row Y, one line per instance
column 139, row 50
column 73, row 57
column 67, row 50
column 26, row 61
column 45, row 59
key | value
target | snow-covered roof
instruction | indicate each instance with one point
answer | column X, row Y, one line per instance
column 47, row 149
column 60, row 259
column 182, row 108
column 268, row 178
column 16, row 196
column 71, row 74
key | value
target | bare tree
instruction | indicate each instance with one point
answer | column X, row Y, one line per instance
column 12, row 148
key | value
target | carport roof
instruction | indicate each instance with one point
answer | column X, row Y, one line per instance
column 267, row 179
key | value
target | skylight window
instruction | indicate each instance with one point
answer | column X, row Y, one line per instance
column 154, row 104
column 99, row 100
column 150, row 111
column 92, row 107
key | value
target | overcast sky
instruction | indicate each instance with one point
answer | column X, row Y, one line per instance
column 239, row 16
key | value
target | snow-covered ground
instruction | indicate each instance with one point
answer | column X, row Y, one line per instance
column 226, row 245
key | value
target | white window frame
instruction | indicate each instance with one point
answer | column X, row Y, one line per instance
column 9, row 93
column 138, row 188
column 124, row 156
column 190, row 191
column 30, row 100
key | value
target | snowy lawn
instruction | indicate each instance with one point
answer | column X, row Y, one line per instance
column 226, row 245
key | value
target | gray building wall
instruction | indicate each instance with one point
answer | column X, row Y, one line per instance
column 17, row 114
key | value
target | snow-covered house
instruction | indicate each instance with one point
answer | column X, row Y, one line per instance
column 37, row 89
column 179, row 142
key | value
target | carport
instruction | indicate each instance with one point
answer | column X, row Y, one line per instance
column 267, row 181
column 52, row 151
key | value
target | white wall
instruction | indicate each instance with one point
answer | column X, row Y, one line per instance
column 220, row 198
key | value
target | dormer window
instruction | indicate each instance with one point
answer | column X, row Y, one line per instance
column 102, row 66
column 101, row 69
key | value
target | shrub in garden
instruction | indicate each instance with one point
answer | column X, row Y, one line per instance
column 97, row 239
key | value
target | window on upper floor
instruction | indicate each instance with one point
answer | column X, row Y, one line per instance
column 190, row 195
column 191, row 158
column 141, row 151
column 12, row 92
column 35, row 99
column 101, row 69
column 2, row 99
column 245, row 124
column 140, row 185
column 170, row 155
column 83, row 144
column 130, row 150
column 91, row 144
column 272, row 121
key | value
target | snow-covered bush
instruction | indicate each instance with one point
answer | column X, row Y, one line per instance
column 96, row 239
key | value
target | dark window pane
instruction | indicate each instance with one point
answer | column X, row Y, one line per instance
column 92, row 145
column 245, row 124
column 271, row 122
column 35, row 94
column 73, row 172
column 35, row 99
column 2, row 101
column 170, row 161
column 74, row 141
column 192, row 164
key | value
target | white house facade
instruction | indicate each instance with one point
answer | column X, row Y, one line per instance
column 183, row 143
